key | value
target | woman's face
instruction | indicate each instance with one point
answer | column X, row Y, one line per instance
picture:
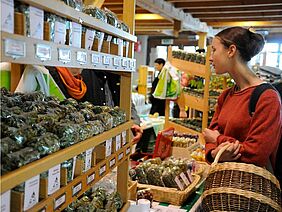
column 219, row 57
column 158, row 66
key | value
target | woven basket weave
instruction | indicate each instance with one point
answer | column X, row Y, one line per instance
column 242, row 187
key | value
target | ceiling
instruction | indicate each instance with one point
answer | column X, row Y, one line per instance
column 263, row 15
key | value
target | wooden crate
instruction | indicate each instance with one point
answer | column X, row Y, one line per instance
column 132, row 190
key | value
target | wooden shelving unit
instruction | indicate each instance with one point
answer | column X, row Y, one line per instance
column 120, row 65
column 197, row 103
column 146, row 77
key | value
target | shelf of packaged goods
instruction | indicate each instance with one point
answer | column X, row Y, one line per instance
column 61, row 9
column 194, row 102
column 26, row 50
column 189, row 67
column 96, row 173
column 180, row 128
column 14, row 178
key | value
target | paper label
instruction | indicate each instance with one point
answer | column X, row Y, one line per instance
column 185, row 179
column 116, row 61
column 100, row 41
column 120, row 156
column 118, row 142
column 81, row 57
column 109, row 38
column 123, row 135
column 7, row 16
column 95, row 59
column 189, row 174
column 126, row 49
column 76, row 189
column 54, row 177
column 112, row 162
column 179, row 184
column 60, row 33
column 5, row 201
column 88, row 159
column 102, row 170
column 89, row 38
column 31, row 192
column 76, row 34
column 14, row 48
column 90, row 178
column 64, row 55
column 43, row 51
column 73, row 168
column 124, row 62
column 109, row 147
column 127, row 151
column 36, row 20
column 59, row 201
column 106, row 60
column 120, row 47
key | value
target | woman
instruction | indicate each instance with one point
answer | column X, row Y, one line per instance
column 253, row 139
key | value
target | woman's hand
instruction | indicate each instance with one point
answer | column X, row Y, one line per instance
column 210, row 136
column 137, row 132
column 230, row 154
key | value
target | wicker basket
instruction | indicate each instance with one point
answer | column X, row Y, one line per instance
column 171, row 195
column 244, row 187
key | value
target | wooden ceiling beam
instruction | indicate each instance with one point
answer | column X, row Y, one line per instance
column 95, row 3
column 240, row 15
column 236, row 11
column 245, row 23
column 174, row 1
column 250, row 18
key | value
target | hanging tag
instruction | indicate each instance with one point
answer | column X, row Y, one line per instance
column 73, row 167
column 14, row 48
column 5, row 201
column 88, row 159
column 123, row 135
column 109, row 147
column 100, row 41
column 31, row 192
column 54, row 177
column 43, row 52
column 109, row 38
column 81, row 57
column 76, row 189
column 118, row 142
column 95, row 59
column 185, row 179
column 179, row 183
column 89, row 38
column 7, row 16
column 76, row 34
column 64, row 55
column 36, row 20
column 90, row 178
column 59, row 201
column 120, row 47
column 60, row 33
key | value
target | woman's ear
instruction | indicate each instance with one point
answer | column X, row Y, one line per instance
column 232, row 50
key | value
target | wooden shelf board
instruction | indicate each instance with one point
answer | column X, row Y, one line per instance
column 14, row 178
column 30, row 55
column 189, row 67
column 61, row 9
column 181, row 128
column 194, row 102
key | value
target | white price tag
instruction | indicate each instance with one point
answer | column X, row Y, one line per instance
column 31, row 192
column 112, row 162
column 185, row 179
column 42, row 51
column 109, row 147
column 109, row 38
column 123, row 135
column 60, row 33
column 102, row 170
column 76, row 189
column 36, row 18
column 81, row 57
column 116, row 61
column 95, row 59
column 14, row 48
column 90, row 178
column 7, row 16
column 59, row 201
column 124, row 62
column 127, row 151
column 5, row 201
column 118, row 142
column 54, row 177
column 120, row 156
column 106, row 60
column 64, row 55
column 88, row 159
column 73, row 167
column 179, row 183
column 89, row 38
column 120, row 47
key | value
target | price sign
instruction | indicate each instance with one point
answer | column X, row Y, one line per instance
column 106, row 60
column 102, row 170
column 112, row 162
column 90, row 178
column 120, row 156
column 95, row 59
column 14, row 48
column 76, row 189
column 64, row 55
column 59, row 201
column 124, row 62
column 42, row 51
column 116, row 61
column 81, row 57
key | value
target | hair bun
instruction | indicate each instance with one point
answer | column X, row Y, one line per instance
column 256, row 43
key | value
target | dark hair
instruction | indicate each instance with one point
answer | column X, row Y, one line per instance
column 160, row 61
column 247, row 42
column 201, row 50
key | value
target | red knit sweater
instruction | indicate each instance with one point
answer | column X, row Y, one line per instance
column 259, row 135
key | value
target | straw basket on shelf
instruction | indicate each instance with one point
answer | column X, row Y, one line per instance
column 232, row 186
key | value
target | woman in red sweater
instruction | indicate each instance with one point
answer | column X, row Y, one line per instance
column 254, row 139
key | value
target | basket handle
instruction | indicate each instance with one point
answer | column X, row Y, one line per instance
column 218, row 155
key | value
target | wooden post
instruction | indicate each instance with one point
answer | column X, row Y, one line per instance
column 202, row 40
column 142, row 81
column 176, row 28
column 16, row 73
